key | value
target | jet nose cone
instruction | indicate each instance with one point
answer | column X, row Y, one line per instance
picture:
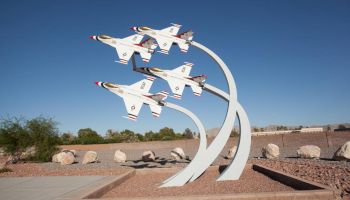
column 93, row 37
column 98, row 83
column 134, row 28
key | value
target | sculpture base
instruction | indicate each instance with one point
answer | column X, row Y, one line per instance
column 256, row 182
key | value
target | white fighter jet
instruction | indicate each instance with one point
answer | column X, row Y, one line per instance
column 127, row 46
column 178, row 78
column 167, row 36
column 136, row 95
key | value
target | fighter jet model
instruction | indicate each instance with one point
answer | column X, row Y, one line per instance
column 178, row 78
column 136, row 95
column 167, row 36
column 127, row 46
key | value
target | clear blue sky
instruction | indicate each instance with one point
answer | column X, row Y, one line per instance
column 290, row 60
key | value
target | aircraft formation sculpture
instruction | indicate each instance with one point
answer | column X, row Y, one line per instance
column 137, row 94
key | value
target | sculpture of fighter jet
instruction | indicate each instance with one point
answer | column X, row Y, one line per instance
column 167, row 36
column 136, row 95
column 127, row 46
column 178, row 78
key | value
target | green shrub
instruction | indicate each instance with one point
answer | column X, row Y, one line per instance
column 89, row 136
column 234, row 133
column 188, row 134
column 140, row 137
column 68, row 139
column 44, row 134
column 14, row 136
column 151, row 136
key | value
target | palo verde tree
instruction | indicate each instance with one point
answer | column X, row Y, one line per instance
column 44, row 135
column 14, row 136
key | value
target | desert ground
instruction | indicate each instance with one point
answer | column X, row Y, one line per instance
column 335, row 174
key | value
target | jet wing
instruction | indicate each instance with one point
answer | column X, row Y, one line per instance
column 164, row 45
column 135, row 39
column 133, row 108
column 155, row 109
column 124, row 54
column 177, row 88
column 184, row 69
column 171, row 30
column 144, row 85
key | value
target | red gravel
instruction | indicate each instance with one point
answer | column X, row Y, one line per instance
column 334, row 174
column 147, row 185
column 37, row 169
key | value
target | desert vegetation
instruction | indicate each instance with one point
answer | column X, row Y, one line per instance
column 37, row 139
column 34, row 139
column 89, row 136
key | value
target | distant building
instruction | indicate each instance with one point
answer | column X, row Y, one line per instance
column 272, row 132
column 303, row 130
column 311, row 130
column 341, row 129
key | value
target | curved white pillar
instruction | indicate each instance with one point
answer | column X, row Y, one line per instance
column 234, row 170
column 202, row 162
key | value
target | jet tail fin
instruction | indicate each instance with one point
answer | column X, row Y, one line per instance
column 160, row 96
column 149, row 44
column 187, row 35
column 199, row 79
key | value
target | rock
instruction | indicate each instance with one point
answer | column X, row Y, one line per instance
column 58, row 157
column 309, row 151
column 177, row 154
column 148, row 156
column 90, row 157
column 271, row 151
column 74, row 152
column 67, row 158
column 231, row 152
column 343, row 153
column 119, row 156
column 55, row 159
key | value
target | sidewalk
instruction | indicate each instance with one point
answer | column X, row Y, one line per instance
column 49, row 187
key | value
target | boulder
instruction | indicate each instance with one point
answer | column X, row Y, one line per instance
column 119, row 156
column 67, row 158
column 309, row 151
column 231, row 152
column 177, row 154
column 90, row 157
column 55, row 158
column 148, row 156
column 58, row 157
column 74, row 152
column 343, row 153
column 271, row 151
